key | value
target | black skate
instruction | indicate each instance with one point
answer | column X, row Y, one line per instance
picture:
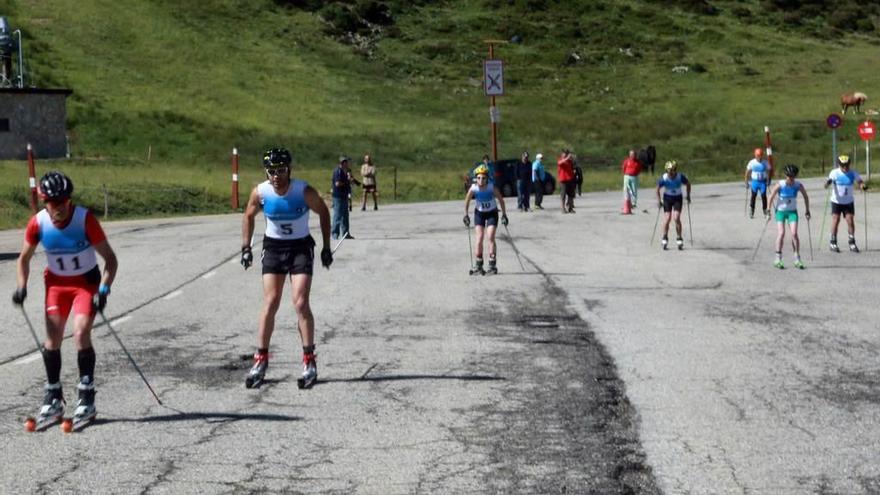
column 680, row 243
column 664, row 242
column 85, row 411
column 310, row 372
column 833, row 246
column 257, row 375
column 852, row 246
column 492, row 268
column 478, row 268
column 51, row 412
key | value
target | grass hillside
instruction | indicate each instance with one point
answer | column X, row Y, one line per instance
column 402, row 80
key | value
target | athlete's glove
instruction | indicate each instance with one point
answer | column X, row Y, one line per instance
column 504, row 220
column 247, row 257
column 99, row 300
column 688, row 199
column 466, row 220
column 807, row 214
column 326, row 257
column 660, row 205
column 19, row 296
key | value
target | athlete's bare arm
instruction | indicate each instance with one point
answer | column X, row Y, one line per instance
column 250, row 214
column 23, row 266
column 773, row 191
column 110, row 262
column 467, row 201
column 500, row 199
column 317, row 205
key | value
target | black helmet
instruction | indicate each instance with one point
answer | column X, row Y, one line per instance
column 791, row 170
column 277, row 157
column 55, row 186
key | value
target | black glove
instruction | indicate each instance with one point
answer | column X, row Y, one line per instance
column 660, row 205
column 99, row 300
column 688, row 199
column 19, row 296
column 504, row 220
column 807, row 214
column 247, row 257
column 326, row 257
column 466, row 220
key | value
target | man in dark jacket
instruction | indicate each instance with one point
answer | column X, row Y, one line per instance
column 523, row 182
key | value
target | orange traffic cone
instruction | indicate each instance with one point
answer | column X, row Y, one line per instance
column 627, row 206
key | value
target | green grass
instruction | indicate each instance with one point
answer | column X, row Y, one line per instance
column 190, row 80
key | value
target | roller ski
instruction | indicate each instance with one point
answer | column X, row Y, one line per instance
column 493, row 269
column 680, row 243
column 51, row 412
column 310, row 372
column 832, row 245
column 257, row 375
column 779, row 264
column 852, row 245
column 478, row 268
column 799, row 264
column 664, row 242
column 85, row 411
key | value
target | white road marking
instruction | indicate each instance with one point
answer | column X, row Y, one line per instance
column 173, row 295
column 30, row 358
column 209, row 274
column 121, row 319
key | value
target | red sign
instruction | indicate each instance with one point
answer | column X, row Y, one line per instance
column 867, row 130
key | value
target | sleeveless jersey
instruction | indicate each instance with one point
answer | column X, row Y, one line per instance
column 68, row 249
column 788, row 196
column 758, row 170
column 485, row 198
column 842, row 185
column 672, row 187
column 287, row 216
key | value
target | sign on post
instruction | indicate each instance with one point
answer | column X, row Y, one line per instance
column 493, row 77
column 867, row 130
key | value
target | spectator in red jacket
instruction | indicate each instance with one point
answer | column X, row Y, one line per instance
column 631, row 168
column 565, row 172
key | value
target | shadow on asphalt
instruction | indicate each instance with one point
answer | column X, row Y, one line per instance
column 391, row 378
column 210, row 417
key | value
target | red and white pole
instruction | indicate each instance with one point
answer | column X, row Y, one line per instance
column 32, row 177
column 769, row 151
column 234, row 178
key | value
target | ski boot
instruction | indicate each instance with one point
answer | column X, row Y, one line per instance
column 799, row 264
column 478, row 268
column 85, row 410
column 310, row 372
column 664, row 242
column 751, row 213
column 492, row 268
column 778, row 264
column 833, row 245
column 680, row 243
column 257, row 375
column 52, row 410
column 852, row 245
column 767, row 214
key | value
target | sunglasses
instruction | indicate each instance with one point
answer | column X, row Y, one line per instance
column 277, row 171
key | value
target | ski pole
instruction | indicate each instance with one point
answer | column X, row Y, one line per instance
column 865, row 200
column 690, row 224
column 810, row 238
column 824, row 214
column 654, row 232
column 33, row 333
column 763, row 231
column 470, row 247
column 339, row 243
column 747, row 201
column 515, row 250
column 130, row 359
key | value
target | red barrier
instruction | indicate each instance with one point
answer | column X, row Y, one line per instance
column 234, row 178
column 32, row 177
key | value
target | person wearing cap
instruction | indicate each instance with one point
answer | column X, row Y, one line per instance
column 565, row 172
column 72, row 239
column 487, row 200
column 757, row 178
column 845, row 181
column 671, row 182
column 538, row 176
column 786, row 211
column 341, row 192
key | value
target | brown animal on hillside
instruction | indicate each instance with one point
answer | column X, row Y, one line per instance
column 852, row 100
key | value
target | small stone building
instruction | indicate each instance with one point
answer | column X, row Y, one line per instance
column 35, row 116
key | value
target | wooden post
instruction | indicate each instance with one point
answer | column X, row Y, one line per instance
column 106, row 201
column 395, row 183
column 32, row 177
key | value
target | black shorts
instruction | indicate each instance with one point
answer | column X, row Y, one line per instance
column 295, row 256
column 568, row 187
column 369, row 187
column 486, row 218
column 672, row 203
column 837, row 209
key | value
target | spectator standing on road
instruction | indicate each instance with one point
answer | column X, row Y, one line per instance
column 340, row 192
column 631, row 168
column 71, row 237
column 786, row 211
column 538, row 176
column 578, row 174
column 565, row 173
column 671, row 182
column 288, row 251
column 757, row 179
column 523, row 182
column 368, row 177
column 844, row 181
column 487, row 200
column 486, row 162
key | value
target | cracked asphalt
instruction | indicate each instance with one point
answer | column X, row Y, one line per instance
column 593, row 363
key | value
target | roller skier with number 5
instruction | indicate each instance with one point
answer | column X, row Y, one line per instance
column 487, row 199
column 71, row 237
column 288, row 251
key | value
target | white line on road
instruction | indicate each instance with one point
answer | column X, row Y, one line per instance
column 30, row 358
column 121, row 319
column 209, row 274
column 172, row 295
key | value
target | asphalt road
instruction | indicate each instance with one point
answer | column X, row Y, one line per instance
column 593, row 363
